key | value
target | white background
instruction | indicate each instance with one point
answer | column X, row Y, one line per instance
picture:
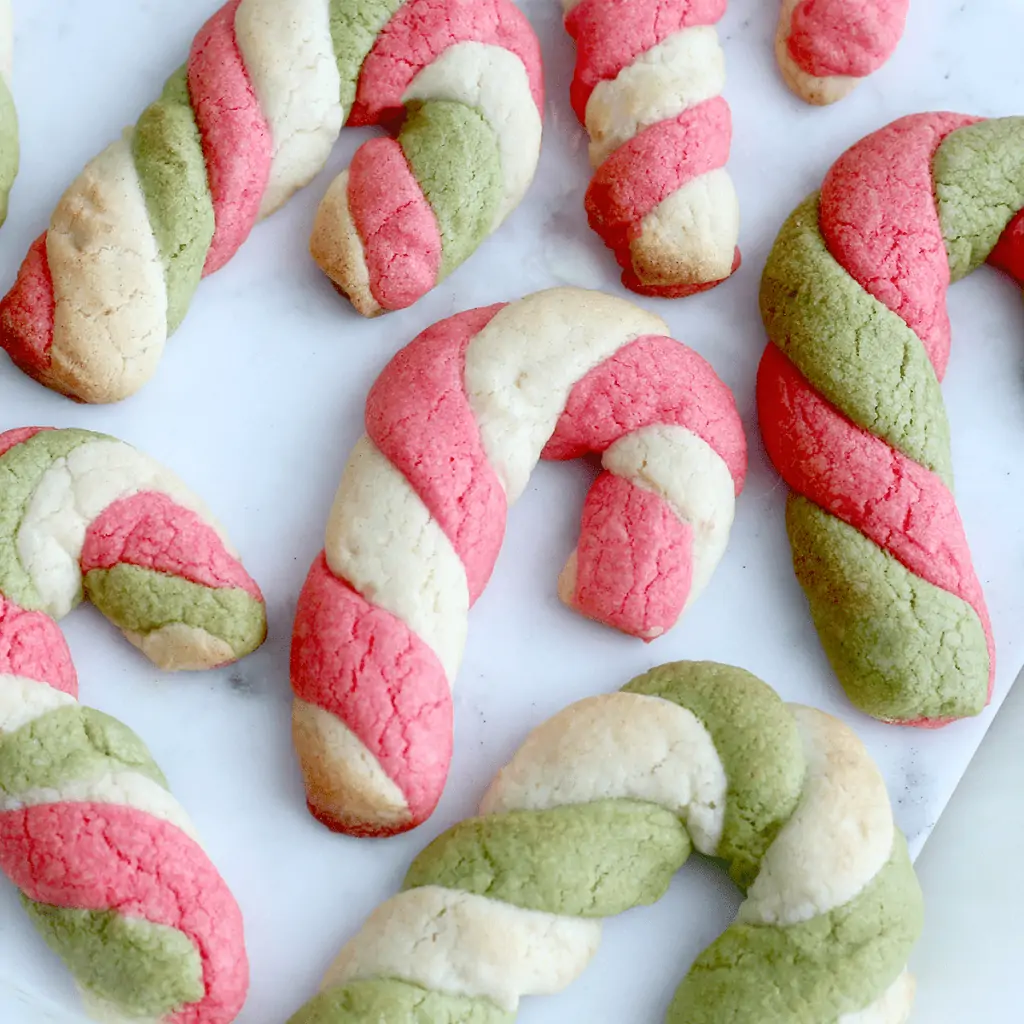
column 259, row 399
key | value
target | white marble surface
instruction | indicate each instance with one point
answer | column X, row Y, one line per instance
column 259, row 398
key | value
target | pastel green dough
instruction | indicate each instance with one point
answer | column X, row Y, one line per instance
column 355, row 25
column 68, row 744
column 140, row 600
column 878, row 622
column 599, row 859
column 396, row 1002
column 168, row 155
column 147, row 970
column 854, row 351
column 809, row 972
column 21, row 469
column 10, row 151
column 453, row 152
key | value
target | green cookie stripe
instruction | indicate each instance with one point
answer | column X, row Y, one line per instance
column 833, row 964
column 168, row 155
column 855, row 352
column 147, row 970
column 21, row 469
column 903, row 648
column 396, row 1002
column 454, row 154
column 354, row 30
column 758, row 742
column 10, row 150
column 586, row 860
column 68, row 744
column 141, row 600
column 979, row 185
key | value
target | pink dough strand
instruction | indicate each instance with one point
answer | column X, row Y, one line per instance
column 419, row 417
column 650, row 381
column 845, row 37
column 151, row 531
column 899, row 505
column 1008, row 255
column 611, row 34
column 98, row 856
column 32, row 646
column 900, row 259
column 420, row 32
column 236, row 140
column 634, row 560
column 27, row 312
column 396, row 225
column 366, row 667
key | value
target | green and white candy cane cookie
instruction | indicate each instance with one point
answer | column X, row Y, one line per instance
column 594, row 815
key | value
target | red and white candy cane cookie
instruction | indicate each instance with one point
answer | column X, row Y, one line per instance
column 454, row 426
column 110, row 867
column 825, row 47
column 647, row 87
column 249, row 118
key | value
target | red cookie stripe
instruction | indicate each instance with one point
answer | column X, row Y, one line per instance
column 611, row 34
column 420, row 32
column 1008, row 255
column 100, row 856
column 432, row 438
column 33, row 646
column 366, row 667
column 396, row 224
column 900, row 260
column 652, row 165
column 237, row 145
column 845, row 37
column 652, row 380
column 899, row 505
column 27, row 312
column 151, row 531
column 634, row 561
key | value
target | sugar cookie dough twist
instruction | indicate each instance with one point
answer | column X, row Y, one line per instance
column 647, row 87
column 854, row 302
column 594, row 815
column 455, row 425
column 248, row 119
column 9, row 151
column 825, row 47
column 111, row 869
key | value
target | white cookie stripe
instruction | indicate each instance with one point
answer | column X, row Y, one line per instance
column 416, row 538
column 24, row 700
column 468, row 945
column 493, row 910
column 493, row 80
column 289, row 56
column 110, row 297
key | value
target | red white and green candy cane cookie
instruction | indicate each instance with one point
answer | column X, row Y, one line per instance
column 249, row 118
column 825, row 47
column 596, row 812
column 454, row 426
column 854, row 302
column 647, row 87
column 109, row 865
column 9, row 152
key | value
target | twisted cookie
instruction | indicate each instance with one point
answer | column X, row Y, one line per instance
column 455, row 425
column 111, row 869
column 647, row 88
column 9, row 154
column 825, row 47
column 853, row 299
column 593, row 816
column 250, row 118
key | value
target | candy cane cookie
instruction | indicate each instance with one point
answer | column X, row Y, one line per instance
column 250, row 118
column 647, row 88
column 109, row 865
column 825, row 47
column 854, row 302
column 454, row 426
column 9, row 152
column 596, row 812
